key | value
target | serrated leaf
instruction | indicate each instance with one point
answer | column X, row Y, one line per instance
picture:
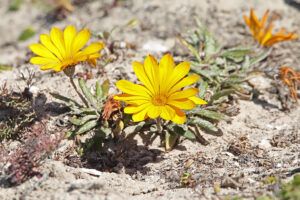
column 221, row 93
column 170, row 140
column 87, row 126
column 65, row 99
column 26, row 34
column 81, row 121
column 105, row 88
column 87, row 93
column 205, row 124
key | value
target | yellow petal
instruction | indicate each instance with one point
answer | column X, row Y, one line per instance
column 94, row 56
column 139, row 71
column 93, row 62
column 46, row 41
column 135, row 109
column 42, row 60
column 58, row 68
column 49, row 66
column 183, row 94
column 154, row 111
column 57, row 38
column 183, row 104
column 128, row 97
column 184, row 82
column 42, row 51
column 247, row 20
column 178, row 73
column 69, row 35
column 80, row 40
column 140, row 116
column 151, row 69
column 166, row 66
column 131, row 88
column 167, row 112
column 179, row 117
column 197, row 100
column 93, row 48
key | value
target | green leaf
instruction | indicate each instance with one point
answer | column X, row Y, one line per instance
column 260, row 57
column 221, row 93
column 136, row 128
column 209, row 114
column 26, row 34
column 131, row 23
column 83, row 120
column 237, row 51
column 234, row 79
column 210, row 44
column 87, row 126
column 15, row 5
column 202, row 89
column 204, row 73
column 3, row 67
column 87, row 93
column 205, row 124
column 99, row 93
column 189, row 135
column 65, row 99
column 105, row 88
column 68, row 134
column 170, row 140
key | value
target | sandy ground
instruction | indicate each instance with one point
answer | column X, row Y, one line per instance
column 269, row 137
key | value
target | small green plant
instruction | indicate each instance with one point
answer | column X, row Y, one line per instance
column 223, row 77
column 26, row 34
column 90, row 116
column 291, row 190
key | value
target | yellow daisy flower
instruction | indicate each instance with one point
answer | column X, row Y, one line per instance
column 160, row 93
column 262, row 33
column 60, row 50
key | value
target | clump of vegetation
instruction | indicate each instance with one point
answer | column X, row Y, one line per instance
column 38, row 143
column 16, row 112
column 224, row 75
column 95, row 116
column 290, row 190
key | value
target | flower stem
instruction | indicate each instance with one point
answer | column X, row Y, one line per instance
column 158, row 123
column 79, row 94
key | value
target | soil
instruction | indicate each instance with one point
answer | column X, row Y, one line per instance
column 263, row 140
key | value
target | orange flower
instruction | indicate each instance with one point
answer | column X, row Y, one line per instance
column 292, row 79
column 262, row 33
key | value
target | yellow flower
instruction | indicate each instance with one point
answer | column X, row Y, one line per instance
column 262, row 33
column 160, row 93
column 63, row 49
